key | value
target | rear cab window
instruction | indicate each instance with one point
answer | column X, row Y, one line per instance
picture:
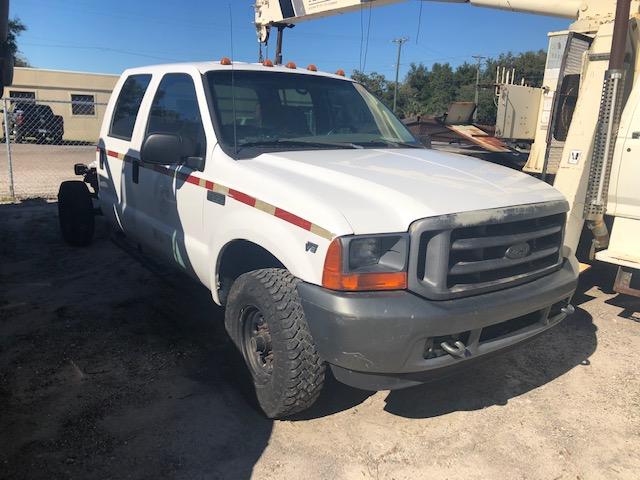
column 127, row 106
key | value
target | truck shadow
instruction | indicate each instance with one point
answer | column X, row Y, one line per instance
column 110, row 369
column 514, row 373
column 502, row 378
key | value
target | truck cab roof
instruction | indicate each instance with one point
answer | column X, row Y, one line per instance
column 204, row 67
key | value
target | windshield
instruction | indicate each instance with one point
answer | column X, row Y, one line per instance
column 285, row 111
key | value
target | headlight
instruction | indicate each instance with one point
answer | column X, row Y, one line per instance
column 385, row 253
column 377, row 262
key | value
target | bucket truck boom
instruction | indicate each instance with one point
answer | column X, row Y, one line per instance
column 290, row 12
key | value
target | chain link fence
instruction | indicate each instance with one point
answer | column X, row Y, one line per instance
column 42, row 140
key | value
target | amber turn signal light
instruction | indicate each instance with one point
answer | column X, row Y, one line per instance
column 334, row 279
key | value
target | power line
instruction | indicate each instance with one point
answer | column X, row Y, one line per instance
column 366, row 45
column 419, row 22
column 102, row 49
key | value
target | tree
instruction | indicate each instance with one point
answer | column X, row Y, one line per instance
column 15, row 29
column 416, row 92
column 443, row 89
column 427, row 91
column 377, row 84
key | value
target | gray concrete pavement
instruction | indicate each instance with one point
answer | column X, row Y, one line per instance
column 38, row 170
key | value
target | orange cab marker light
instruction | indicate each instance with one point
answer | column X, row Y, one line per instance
column 267, row 63
column 340, row 72
column 291, row 65
column 312, row 68
column 334, row 279
column 225, row 61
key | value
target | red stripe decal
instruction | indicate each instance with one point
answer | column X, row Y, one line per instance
column 242, row 197
column 294, row 219
column 193, row 180
column 235, row 194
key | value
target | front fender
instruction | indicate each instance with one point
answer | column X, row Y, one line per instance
column 300, row 251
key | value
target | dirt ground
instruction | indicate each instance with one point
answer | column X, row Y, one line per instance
column 112, row 369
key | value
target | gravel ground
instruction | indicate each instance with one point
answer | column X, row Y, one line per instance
column 38, row 170
column 112, row 369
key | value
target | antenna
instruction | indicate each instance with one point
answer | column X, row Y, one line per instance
column 233, row 86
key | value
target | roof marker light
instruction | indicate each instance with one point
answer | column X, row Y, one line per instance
column 267, row 63
column 312, row 68
column 225, row 61
column 340, row 72
column 291, row 65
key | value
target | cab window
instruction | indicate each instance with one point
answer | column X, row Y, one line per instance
column 128, row 105
column 175, row 110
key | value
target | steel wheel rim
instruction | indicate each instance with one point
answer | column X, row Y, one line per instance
column 256, row 341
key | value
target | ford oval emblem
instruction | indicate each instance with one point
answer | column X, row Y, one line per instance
column 517, row 251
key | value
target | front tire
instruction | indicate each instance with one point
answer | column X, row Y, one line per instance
column 75, row 212
column 265, row 320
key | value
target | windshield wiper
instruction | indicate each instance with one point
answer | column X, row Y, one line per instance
column 393, row 143
column 294, row 143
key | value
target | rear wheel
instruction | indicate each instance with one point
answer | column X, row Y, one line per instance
column 266, row 322
column 75, row 212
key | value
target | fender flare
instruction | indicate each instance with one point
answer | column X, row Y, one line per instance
column 287, row 245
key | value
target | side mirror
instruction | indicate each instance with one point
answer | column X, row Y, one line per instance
column 170, row 149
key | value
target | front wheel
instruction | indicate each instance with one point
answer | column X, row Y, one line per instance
column 266, row 322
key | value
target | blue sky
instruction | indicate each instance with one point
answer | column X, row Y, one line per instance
column 109, row 36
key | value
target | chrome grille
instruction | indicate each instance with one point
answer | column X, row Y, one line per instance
column 476, row 252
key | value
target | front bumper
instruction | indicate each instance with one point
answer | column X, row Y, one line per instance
column 381, row 340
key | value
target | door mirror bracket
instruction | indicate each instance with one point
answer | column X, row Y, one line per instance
column 195, row 163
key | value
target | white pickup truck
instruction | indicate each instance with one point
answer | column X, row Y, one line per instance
column 331, row 236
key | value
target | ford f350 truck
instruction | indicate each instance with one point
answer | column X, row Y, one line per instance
column 331, row 236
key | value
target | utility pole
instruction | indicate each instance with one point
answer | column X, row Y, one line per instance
column 479, row 59
column 400, row 42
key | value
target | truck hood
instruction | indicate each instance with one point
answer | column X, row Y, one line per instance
column 386, row 190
